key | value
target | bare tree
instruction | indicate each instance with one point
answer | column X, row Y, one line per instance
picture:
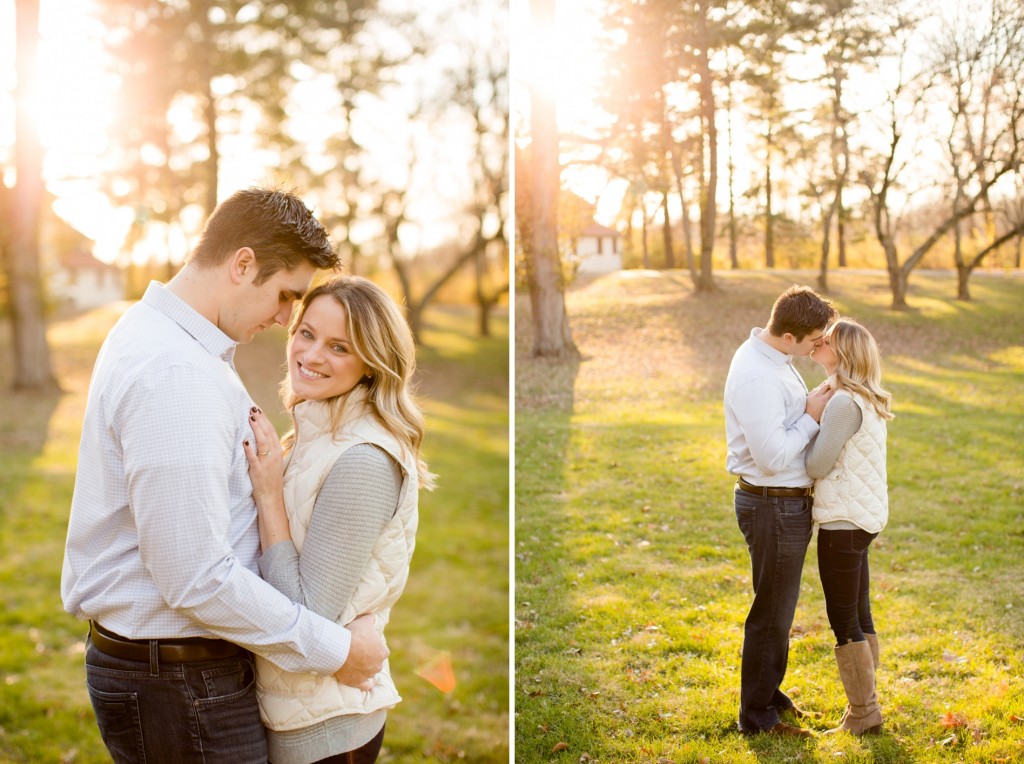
column 851, row 34
column 981, row 63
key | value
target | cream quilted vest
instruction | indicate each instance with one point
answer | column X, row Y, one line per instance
column 291, row 701
column 856, row 489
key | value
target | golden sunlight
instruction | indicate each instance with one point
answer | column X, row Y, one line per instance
column 71, row 105
column 565, row 60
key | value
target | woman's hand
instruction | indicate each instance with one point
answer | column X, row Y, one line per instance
column 265, row 455
column 266, row 471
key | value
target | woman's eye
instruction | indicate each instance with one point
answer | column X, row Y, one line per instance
column 307, row 334
column 338, row 349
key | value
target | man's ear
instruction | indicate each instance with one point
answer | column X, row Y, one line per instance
column 242, row 265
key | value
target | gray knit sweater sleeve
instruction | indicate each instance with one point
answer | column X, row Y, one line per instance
column 841, row 419
column 358, row 498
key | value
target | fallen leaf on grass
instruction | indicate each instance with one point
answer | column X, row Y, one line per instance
column 585, row 757
column 1015, row 718
column 438, row 671
column 560, row 746
column 947, row 741
column 952, row 721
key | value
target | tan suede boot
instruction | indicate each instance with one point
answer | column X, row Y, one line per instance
column 875, row 655
column 857, row 671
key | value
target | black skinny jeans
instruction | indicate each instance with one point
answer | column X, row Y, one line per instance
column 843, row 567
column 366, row 754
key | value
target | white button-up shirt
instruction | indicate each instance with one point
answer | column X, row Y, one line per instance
column 163, row 538
column 767, row 428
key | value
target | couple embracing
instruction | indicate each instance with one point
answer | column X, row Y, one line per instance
column 237, row 586
column 804, row 458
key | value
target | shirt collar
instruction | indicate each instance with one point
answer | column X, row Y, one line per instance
column 201, row 329
column 776, row 356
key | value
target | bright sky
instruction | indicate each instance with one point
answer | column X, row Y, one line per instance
column 72, row 105
column 75, row 103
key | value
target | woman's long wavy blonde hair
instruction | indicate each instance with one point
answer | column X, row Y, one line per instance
column 859, row 364
column 382, row 340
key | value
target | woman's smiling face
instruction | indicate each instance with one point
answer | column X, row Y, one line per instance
column 322, row 363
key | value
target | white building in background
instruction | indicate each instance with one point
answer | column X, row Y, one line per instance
column 82, row 281
column 597, row 250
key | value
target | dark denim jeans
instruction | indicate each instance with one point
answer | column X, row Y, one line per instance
column 176, row 713
column 777, row 531
column 846, row 582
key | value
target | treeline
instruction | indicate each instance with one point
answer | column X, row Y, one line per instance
column 393, row 90
column 818, row 133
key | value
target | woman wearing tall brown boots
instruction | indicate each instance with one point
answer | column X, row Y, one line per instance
column 851, row 507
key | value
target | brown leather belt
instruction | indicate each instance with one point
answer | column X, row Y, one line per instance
column 767, row 491
column 169, row 650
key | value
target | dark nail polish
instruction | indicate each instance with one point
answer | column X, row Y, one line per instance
column 245, row 443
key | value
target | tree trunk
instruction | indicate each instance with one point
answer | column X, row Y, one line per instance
column 670, row 257
column 32, row 366
column 826, row 233
column 677, row 167
column 552, row 337
column 483, row 304
column 841, row 235
column 710, row 166
column 963, row 279
column 734, row 261
column 897, row 277
column 826, row 245
column 643, row 237
column 209, row 110
column 769, row 223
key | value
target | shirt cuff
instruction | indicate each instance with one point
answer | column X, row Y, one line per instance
column 808, row 426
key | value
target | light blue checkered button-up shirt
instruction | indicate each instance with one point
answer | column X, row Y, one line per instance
column 767, row 428
column 163, row 538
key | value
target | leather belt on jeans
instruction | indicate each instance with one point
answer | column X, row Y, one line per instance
column 767, row 491
column 169, row 650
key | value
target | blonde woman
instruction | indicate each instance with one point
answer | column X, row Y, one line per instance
column 339, row 528
column 851, row 507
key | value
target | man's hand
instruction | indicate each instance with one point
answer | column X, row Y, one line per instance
column 817, row 399
column 366, row 654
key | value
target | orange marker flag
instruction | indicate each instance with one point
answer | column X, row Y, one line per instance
column 438, row 671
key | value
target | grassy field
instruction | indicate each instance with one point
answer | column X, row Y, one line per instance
column 456, row 602
column 632, row 580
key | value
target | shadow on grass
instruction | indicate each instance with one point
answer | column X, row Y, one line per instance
column 39, row 661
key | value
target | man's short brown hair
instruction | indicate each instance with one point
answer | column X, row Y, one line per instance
column 276, row 225
column 800, row 311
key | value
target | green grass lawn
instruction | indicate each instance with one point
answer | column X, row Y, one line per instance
column 456, row 602
column 631, row 577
